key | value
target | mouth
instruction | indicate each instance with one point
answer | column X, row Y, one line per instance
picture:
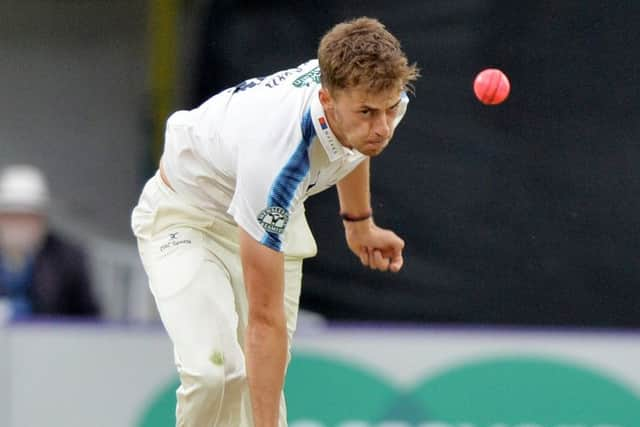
column 377, row 145
column 376, row 142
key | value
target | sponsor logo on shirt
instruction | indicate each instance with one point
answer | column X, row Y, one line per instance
column 331, row 142
column 308, row 78
column 274, row 219
column 323, row 123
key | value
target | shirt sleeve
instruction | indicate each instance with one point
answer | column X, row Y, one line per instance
column 269, row 186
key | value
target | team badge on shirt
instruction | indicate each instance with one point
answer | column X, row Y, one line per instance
column 274, row 219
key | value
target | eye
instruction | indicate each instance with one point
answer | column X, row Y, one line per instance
column 365, row 111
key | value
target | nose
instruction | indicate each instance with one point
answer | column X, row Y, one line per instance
column 381, row 127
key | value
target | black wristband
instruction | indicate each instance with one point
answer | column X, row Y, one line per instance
column 350, row 218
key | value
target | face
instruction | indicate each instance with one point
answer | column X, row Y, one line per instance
column 361, row 119
column 21, row 233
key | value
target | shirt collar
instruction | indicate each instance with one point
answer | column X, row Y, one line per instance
column 328, row 140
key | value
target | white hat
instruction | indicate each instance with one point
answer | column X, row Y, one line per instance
column 23, row 188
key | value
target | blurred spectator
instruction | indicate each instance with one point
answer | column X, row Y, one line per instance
column 40, row 272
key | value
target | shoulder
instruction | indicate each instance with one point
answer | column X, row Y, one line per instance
column 307, row 74
column 281, row 83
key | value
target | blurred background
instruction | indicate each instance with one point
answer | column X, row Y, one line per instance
column 523, row 215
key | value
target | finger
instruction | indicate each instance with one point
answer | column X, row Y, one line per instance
column 401, row 244
column 396, row 263
column 379, row 261
column 364, row 256
column 396, row 256
column 392, row 255
column 397, row 246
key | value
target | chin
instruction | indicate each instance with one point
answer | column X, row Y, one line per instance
column 372, row 152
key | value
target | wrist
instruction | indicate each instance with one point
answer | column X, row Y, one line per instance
column 360, row 217
column 358, row 228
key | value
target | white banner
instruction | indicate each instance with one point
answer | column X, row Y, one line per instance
column 115, row 376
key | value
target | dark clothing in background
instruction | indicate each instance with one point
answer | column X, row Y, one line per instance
column 59, row 284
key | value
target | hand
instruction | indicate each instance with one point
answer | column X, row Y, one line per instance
column 377, row 248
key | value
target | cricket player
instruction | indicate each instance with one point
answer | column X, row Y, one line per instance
column 221, row 227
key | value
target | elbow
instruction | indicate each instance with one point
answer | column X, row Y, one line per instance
column 266, row 326
column 267, row 317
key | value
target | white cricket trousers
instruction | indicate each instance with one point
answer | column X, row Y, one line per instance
column 192, row 260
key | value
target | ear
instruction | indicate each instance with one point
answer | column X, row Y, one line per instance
column 325, row 99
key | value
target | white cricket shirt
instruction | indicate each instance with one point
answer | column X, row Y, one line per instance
column 254, row 152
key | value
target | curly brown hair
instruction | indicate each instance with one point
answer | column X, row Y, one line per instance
column 362, row 53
